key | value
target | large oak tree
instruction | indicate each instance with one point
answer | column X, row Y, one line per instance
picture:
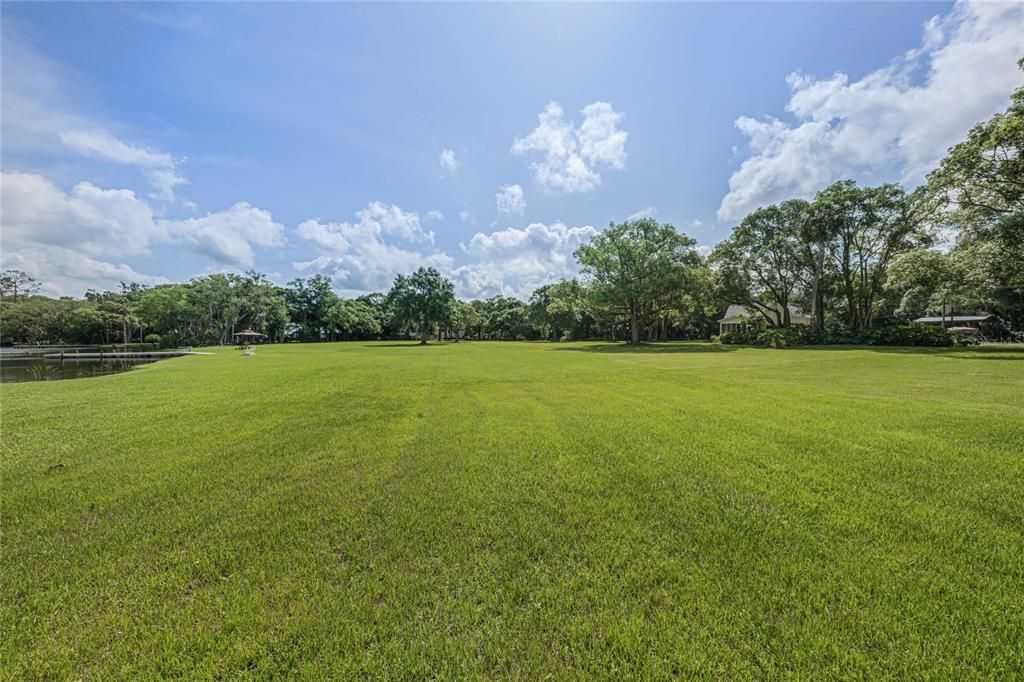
column 637, row 269
column 423, row 299
column 765, row 259
column 868, row 228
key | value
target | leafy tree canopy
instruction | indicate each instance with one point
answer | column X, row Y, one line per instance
column 981, row 180
column 422, row 299
column 637, row 268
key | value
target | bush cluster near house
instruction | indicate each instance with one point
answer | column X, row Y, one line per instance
column 838, row 335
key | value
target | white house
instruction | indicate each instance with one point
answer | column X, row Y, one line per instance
column 738, row 316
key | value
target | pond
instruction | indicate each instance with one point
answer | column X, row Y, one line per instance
column 29, row 365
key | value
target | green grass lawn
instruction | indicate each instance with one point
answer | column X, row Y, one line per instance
column 486, row 510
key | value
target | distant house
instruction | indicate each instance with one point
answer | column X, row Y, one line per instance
column 739, row 316
column 954, row 320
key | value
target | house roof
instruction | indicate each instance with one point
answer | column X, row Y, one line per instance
column 952, row 318
column 735, row 311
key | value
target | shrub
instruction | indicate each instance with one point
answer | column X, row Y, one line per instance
column 996, row 329
column 966, row 338
column 836, row 334
column 152, row 338
column 780, row 337
column 207, row 338
column 744, row 336
column 909, row 335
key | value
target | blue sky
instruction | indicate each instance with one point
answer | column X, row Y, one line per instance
column 158, row 142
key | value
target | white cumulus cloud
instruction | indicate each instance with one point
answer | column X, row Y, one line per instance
column 38, row 114
column 899, row 119
column 158, row 167
column 94, row 221
column 515, row 261
column 510, row 199
column 448, row 161
column 647, row 212
column 367, row 254
column 38, row 218
column 571, row 155
column 394, row 221
column 363, row 255
column 65, row 272
column 228, row 237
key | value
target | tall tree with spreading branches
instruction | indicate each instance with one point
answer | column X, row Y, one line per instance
column 14, row 282
column 637, row 269
column 423, row 299
column 765, row 259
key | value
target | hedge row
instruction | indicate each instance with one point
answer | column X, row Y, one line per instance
column 890, row 335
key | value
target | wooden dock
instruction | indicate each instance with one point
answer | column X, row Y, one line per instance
column 119, row 355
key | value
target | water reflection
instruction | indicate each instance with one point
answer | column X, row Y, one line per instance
column 20, row 365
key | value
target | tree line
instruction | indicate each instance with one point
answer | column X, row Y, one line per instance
column 855, row 258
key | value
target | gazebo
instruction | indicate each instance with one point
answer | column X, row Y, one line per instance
column 246, row 336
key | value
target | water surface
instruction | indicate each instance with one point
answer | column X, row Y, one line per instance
column 29, row 365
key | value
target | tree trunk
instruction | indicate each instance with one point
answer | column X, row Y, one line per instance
column 851, row 308
column 817, row 309
column 424, row 333
column 634, row 326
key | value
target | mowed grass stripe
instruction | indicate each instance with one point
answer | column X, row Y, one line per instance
column 519, row 510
